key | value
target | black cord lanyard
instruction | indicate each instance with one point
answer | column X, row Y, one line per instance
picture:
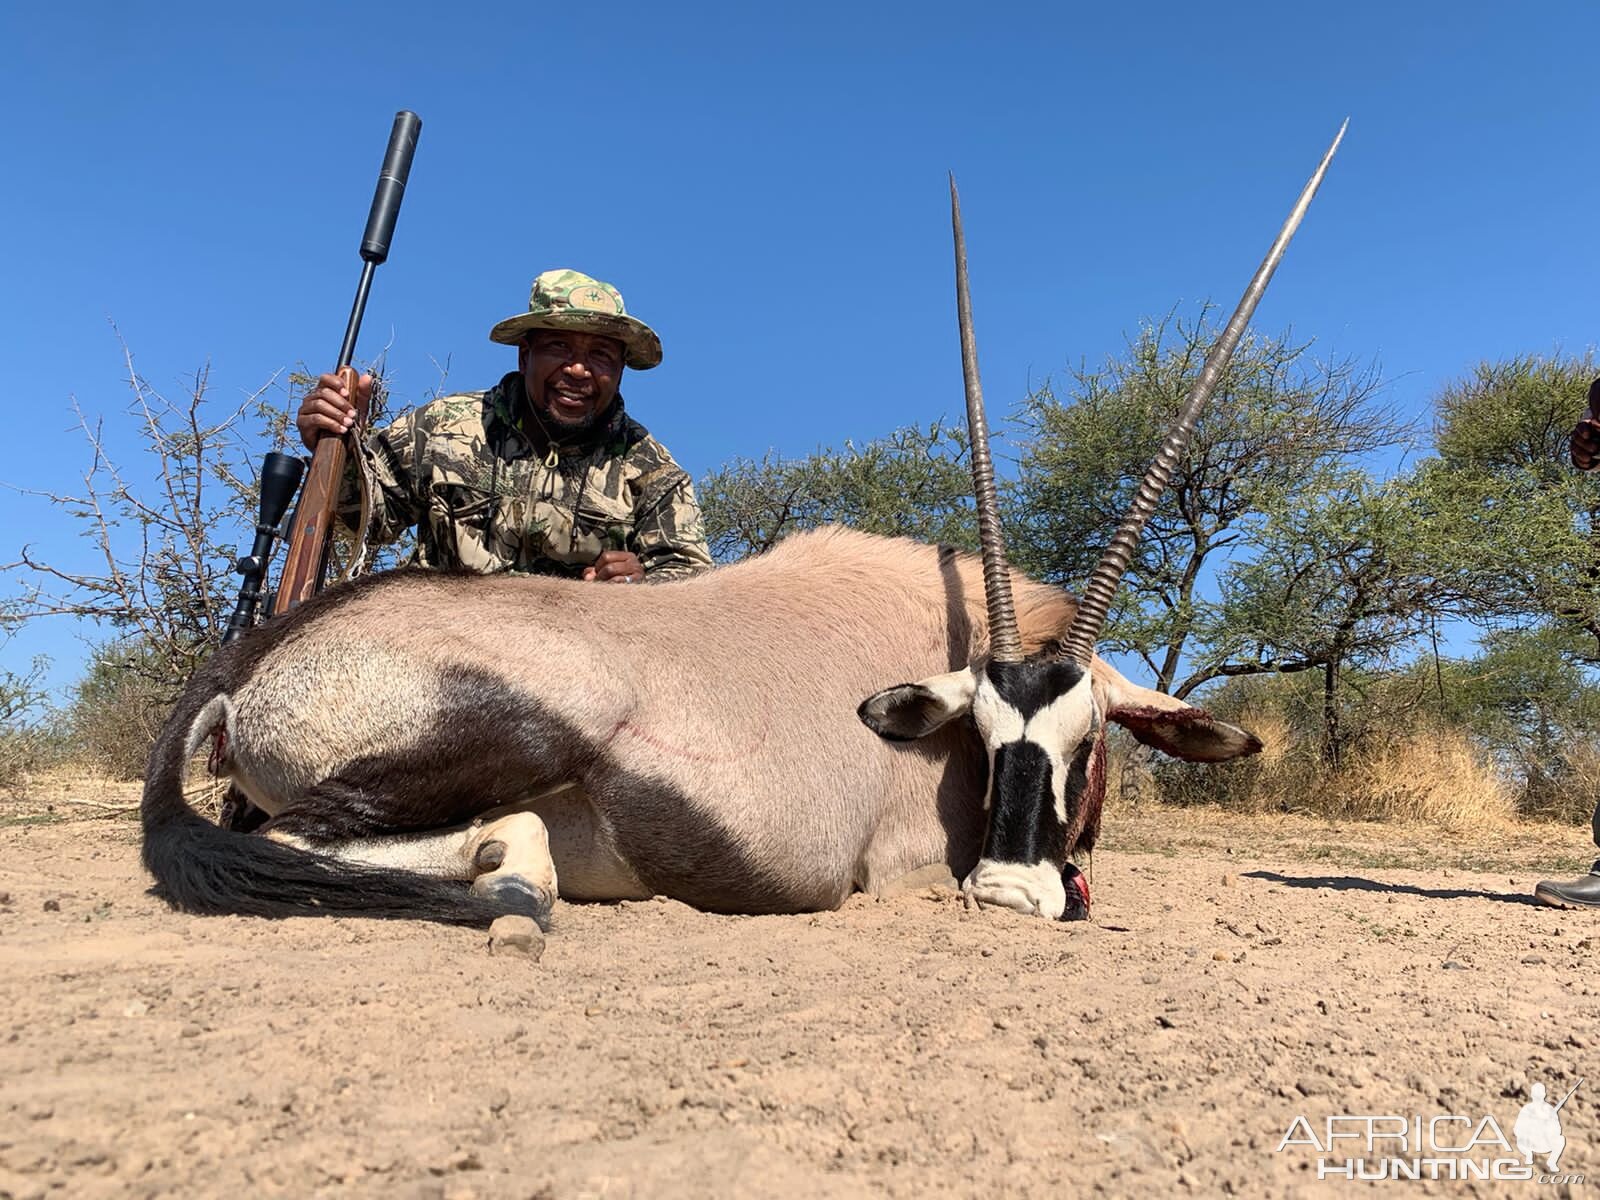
column 554, row 461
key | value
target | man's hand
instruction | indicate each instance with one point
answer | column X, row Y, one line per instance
column 1585, row 443
column 616, row 566
column 329, row 409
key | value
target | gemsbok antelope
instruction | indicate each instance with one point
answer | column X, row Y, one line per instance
column 412, row 731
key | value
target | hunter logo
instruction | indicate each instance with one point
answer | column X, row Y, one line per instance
column 1370, row 1147
column 1538, row 1127
column 594, row 299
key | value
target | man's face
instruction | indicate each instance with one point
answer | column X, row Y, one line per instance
column 570, row 377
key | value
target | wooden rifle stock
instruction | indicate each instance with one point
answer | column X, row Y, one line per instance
column 311, row 529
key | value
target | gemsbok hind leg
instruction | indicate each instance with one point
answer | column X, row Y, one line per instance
column 506, row 858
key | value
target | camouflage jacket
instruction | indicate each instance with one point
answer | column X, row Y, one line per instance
column 475, row 483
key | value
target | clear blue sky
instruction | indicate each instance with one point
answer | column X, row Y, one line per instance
column 766, row 186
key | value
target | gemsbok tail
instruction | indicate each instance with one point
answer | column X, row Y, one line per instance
column 201, row 868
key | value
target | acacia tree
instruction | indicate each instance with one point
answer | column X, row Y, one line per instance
column 914, row 483
column 166, row 531
column 163, row 579
column 1512, row 522
column 1278, row 417
column 1340, row 582
column 1513, row 415
column 165, row 528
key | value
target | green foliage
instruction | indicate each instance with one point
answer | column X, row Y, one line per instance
column 1327, row 582
column 27, row 737
column 913, row 483
column 1340, row 580
column 1277, row 420
column 1512, row 524
column 1516, row 547
column 1513, row 416
column 21, row 697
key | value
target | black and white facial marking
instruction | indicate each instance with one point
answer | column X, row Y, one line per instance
column 1046, row 747
column 1043, row 725
column 1039, row 723
column 1039, row 742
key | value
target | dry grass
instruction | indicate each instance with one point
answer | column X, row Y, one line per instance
column 1432, row 777
column 23, row 754
column 1522, row 849
column 114, row 728
column 79, row 790
column 1425, row 776
column 1575, row 800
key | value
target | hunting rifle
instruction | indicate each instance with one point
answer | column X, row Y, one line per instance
column 310, row 530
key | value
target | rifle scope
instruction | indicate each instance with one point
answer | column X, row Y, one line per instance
column 280, row 476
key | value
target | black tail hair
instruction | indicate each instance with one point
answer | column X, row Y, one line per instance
column 202, row 868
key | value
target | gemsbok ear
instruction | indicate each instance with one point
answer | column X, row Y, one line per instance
column 908, row 711
column 1168, row 724
column 1191, row 734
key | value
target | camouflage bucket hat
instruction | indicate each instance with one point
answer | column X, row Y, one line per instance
column 572, row 300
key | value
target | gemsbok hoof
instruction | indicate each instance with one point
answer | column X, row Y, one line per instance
column 517, row 894
column 511, row 864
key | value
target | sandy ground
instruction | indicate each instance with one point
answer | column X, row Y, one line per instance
column 1237, row 974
